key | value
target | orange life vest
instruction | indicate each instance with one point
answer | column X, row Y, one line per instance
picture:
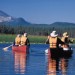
column 23, row 40
column 17, row 40
column 53, row 42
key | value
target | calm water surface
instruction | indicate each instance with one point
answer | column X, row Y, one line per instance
column 36, row 63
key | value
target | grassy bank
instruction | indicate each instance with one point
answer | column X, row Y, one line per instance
column 33, row 39
column 37, row 39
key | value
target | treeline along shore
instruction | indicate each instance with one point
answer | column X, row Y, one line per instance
column 37, row 33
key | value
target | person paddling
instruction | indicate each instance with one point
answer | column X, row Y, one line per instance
column 25, row 41
column 54, row 42
column 65, row 38
column 17, row 40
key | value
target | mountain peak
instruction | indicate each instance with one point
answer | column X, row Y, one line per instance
column 62, row 23
column 3, row 14
column 9, row 20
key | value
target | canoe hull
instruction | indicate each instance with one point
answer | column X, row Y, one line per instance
column 61, row 54
column 20, row 48
column 67, row 54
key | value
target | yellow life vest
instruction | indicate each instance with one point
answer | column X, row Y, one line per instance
column 23, row 40
column 53, row 42
column 17, row 40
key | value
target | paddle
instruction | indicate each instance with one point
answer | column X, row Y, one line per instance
column 46, row 51
column 6, row 48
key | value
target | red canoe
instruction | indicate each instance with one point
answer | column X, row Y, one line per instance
column 20, row 48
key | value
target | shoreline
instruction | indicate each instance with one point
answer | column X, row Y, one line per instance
column 30, row 43
column 12, row 42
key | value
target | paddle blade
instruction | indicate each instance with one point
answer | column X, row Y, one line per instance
column 46, row 51
column 5, row 49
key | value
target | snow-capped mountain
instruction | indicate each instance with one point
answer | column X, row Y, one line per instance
column 9, row 20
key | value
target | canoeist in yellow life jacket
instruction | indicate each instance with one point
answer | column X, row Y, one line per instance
column 65, row 38
column 17, row 40
column 25, row 40
column 54, row 42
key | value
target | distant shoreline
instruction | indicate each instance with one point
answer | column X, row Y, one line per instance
column 12, row 43
column 9, row 38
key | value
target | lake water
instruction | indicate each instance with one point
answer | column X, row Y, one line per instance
column 36, row 63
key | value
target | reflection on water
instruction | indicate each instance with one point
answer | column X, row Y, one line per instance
column 63, row 66
column 52, row 67
column 36, row 63
column 57, row 65
column 19, row 62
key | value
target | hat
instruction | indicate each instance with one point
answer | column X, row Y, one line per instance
column 25, row 34
column 18, row 35
column 65, row 34
column 54, row 31
column 53, row 34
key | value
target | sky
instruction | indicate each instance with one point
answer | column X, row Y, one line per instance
column 40, row 11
